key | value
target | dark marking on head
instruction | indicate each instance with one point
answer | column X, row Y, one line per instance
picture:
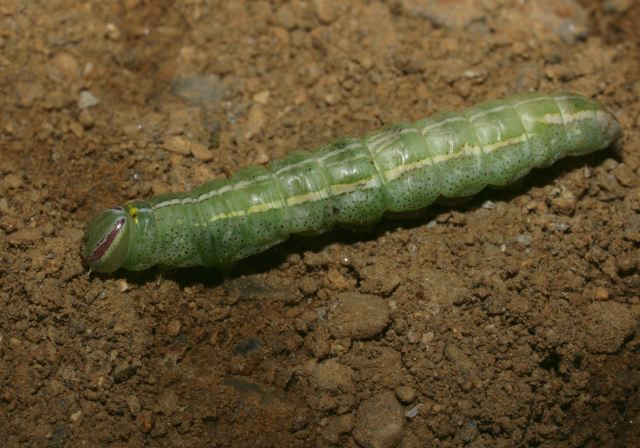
column 104, row 245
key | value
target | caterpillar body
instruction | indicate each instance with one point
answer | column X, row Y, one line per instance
column 351, row 182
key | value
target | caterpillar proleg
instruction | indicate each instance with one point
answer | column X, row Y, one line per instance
column 352, row 182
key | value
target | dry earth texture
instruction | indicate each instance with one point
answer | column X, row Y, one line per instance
column 507, row 320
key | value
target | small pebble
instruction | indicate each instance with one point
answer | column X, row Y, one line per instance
column 308, row 285
column 133, row 404
column 406, row 394
column 146, row 422
column 180, row 145
column 413, row 335
column 602, row 293
column 247, row 345
column 326, row 10
column 488, row 205
column 86, row 119
column 120, row 328
column 63, row 65
column 454, row 354
column 76, row 129
column 625, row 175
column 123, row 286
column 413, row 411
column 177, row 145
column 524, row 239
column 200, row 152
column 468, row 432
column 12, row 180
column 87, row 100
column 122, row 372
column 173, row 328
column 261, row 97
column 255, row 122
column 427, row 338
column 564, row 205
column 28, row 92
column 112, row 31
column 284, row 17
column 337, row 280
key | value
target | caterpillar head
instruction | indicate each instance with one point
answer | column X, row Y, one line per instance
column 106, row 242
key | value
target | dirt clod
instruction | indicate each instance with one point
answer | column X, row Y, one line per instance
column 358, row 316
column 379, row 422
column 405, row 394
column 331, row 375
column 609, row 324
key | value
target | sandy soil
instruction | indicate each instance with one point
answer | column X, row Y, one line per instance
column 508, row 320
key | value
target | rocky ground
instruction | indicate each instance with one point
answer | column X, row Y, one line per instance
column 507, row 320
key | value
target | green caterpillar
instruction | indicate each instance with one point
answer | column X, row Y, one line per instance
column 352, row 182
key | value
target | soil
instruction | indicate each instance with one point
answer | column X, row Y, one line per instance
column 508, row 320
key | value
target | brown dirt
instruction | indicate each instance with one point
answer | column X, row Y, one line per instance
column 510, row 320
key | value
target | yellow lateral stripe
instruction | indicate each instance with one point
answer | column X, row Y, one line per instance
column 307, row 197
column 383, row 140
column 395, row 173
column 372, row 182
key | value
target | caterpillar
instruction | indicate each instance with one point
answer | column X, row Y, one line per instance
column 352, row 182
